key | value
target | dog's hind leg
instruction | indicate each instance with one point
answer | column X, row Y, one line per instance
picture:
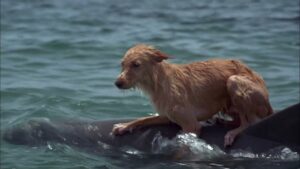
column 250, row 100
column 231, row 135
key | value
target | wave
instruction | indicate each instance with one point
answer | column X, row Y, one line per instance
column 189, row 147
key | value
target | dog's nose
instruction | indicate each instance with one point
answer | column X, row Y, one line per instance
column 119, row 83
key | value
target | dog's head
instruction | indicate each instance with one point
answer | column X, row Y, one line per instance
column 137, row 63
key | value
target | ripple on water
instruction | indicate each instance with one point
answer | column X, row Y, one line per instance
column 59, row 59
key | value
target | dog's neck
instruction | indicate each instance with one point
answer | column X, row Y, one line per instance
column 155, row 81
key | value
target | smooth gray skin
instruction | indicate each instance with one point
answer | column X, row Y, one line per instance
column 280, row 129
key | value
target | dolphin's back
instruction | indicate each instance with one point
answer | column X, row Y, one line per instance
column 280, row 129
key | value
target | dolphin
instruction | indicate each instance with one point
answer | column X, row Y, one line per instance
column 280, row 129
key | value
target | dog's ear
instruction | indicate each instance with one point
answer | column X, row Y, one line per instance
column 159, row 56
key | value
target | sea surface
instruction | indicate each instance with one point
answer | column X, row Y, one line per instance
column 60, row 58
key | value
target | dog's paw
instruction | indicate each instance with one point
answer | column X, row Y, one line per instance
column 121, row 128
column 229, row 138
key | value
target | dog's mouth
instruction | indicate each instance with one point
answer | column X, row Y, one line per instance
column 122, row 85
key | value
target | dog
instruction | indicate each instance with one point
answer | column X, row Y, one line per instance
column 188, row 93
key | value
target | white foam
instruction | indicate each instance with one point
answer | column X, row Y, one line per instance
column 186, row 145
column 278, row 153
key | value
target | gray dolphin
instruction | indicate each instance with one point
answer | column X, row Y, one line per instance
column 280, row 129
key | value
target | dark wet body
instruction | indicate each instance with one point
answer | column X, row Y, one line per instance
column 281, row 129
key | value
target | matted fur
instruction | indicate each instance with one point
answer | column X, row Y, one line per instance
column 185, row 93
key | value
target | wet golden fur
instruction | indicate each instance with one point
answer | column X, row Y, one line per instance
column 188, row 93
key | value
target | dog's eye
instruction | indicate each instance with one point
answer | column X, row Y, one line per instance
column 136, row 64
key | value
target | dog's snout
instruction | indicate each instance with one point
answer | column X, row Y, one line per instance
column 119, row 83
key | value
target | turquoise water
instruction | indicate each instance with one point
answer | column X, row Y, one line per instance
column 59, row 60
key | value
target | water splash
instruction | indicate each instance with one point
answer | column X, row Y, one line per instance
column 186, row 145
column 278, row 153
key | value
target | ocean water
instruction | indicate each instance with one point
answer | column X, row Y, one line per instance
column 59, row 60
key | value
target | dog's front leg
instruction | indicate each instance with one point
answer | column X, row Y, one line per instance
column 186, row 120
column 121, row 128
column 190, row 127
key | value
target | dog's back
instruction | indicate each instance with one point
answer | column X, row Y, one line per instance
column 204, row 84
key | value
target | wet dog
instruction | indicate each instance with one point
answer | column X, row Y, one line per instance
column 188, row 93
